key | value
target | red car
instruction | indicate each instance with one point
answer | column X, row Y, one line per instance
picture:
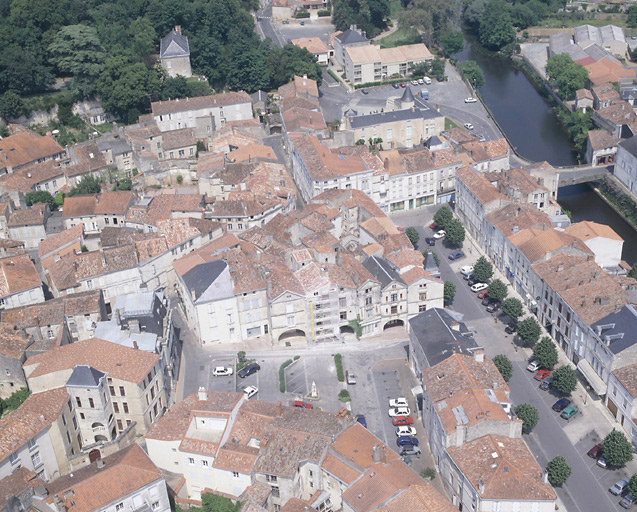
column 402, row 420
column 433, row 226
column 595, row 451
column 302, row 404
column 483, row 294
column 542, row 374
column 403, row 84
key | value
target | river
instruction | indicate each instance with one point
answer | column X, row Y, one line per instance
column 530, row 124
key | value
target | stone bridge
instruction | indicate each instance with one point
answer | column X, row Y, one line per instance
column 570, row 174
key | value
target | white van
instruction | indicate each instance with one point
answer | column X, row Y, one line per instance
column 466, row 270
column 427, row 80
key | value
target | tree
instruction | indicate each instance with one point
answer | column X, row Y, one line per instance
column 413, row 235
column 452, row 42
column 40, row 196
column 76, row 50
column 482, row 270
column 529, row 331
column 564, row 379
column 250, row 70
column 497, row 290
column 24, row 71
column 442, row 217
column 124, row 184
column 472, row 72
column 529, row 416
column 455, row 232
column 632, row 485
column 284, row 63
column 473, row 13
column 617, row 449
column 512, row 308
column 449, row 291
column 631, row 21
column 11, row 105
column 438, row 67
column 175, row 87
column 214, row 503
column 633, row 272
column 504, row 366
column 523, row 16
column 15, row 400
column 545, row 353
column 496, row 28
column 558, row 471
column 342, row 15
column 88, row 185
column 569, row 76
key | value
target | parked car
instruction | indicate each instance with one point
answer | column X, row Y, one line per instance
column 482, row 138
column 433, row 226
column 602, row 462
column 511, row 328
column 350, row 378
column 569, row 412
column 405, row 431
column 286, row 22
column 427, row 80
column 466, row 270
column 403, row 84
column 627, row 501
column 542, row 374
column 470, row 100
column 398, row 402
column 479, row 287
column 619, row 487
column 414, row 82
column 561, row 404
column 421, row 81
column 402, row 420
column 493, row 307
column 302, row 23
column 395, row 85
column 488, row 300
column 533, row 366
column 399, row 411
column 455, row 255
column 441, row 78
column 410, row 450
column 468, row 126
column 365, row 91
column 361, row 419
column 439, row 234
column 430, row 241
column 222, row 371
column 546, row 383
column 595, row 451
column 407, row 441
column 248, row 370
column 482, row 294
column 302, row 404
column 250, row 391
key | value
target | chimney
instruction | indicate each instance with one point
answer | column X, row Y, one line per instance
column 178, row 29
column 100, row 463
column 545, row 477
column 279, row 408
column 516, row 229
column 375, row 454
column 201, row 394
column 478, row 355
column 102, row 256
column 135, row 345
column 383, row 457
column 560, row 267
column 386, row 164
column 481, row 487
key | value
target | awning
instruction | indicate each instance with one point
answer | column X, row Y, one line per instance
column 596, row 382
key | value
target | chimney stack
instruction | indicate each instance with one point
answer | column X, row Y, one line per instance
column 201, row 394
column 279, row 408
column 478, row 355
column 545, row 477
column 375, row 454
column 135, row 346
column 178, row 29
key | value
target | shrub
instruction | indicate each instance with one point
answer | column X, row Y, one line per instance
column 325, row 12
column 282, row 368
column 529, row 416
column 617, row 449
column 504, row 366
column 338, row 361
column 302, row 14
column 15, row 400
column 296, row 358
column 558, row 470
column 429, row 473
column 40, row 196
column 413, row 235
column 343, row 396
column 180, row 179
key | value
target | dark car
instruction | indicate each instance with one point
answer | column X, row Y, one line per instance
column 365, row 91
column 511, row 328
column 395, row 85
column 546, row 384
column 248, row 370
column 361, row 419
column 595, row 451
column 430, row 241
column 494, row 306
column 471, row 281
column 407, row 441
column 561, row 404
column 488, row 300
column 441, row 78
column 456, row 254
column 627, row 501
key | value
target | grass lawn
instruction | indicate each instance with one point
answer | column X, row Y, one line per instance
column 596, row 20
column 449, row 124
column 394, row 8
column 401, row 37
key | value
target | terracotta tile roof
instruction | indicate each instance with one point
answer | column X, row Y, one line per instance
column 587, row 230
column 242, row 207
column 208, row 252
column 342, row 470
column 627, row 377
column 25, row 148
column 607, row 70
column 507, row 468
column 378, row 227
column 311, row 44
column 35, row 414
column 372, row 53
column 605, row 92
column 478, row 184
column 403, row 259
column 200, row 102
column 514, row 218
column 26, row 178
column 87, row 157
column 32, row 216
column 490, row 150
column 519, row 179
column 252, row 151
column 301, row 119
column 16, row 483
column 116, row 360
column 398, row 161
column 177, row 139
column 424, row 498
column 13, row 341
column 460, row 372
column 296, row 505
column 351, row 198
column 95, row 488
column 380, row 483
column 163, row 206
column 105, row 203
column 618, row 113
column 17, row 273
column 295, row 102
column 356, row 445
column 299, row 86
column 58, row 241
column 416, row 273
column 542, row 244
column 581, row 94
column 177, row 231
column 234, row 457
column 601, row 139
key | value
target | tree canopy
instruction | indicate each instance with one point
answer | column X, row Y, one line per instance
column 545, row 353
column 529, row 331
column 442, row 217
column 473, row 73
column 569, row 76
column 529, row 416
column 496, row 28
column 449, row 291
column 504, row 366
column 455, row 232
column 482, row 270
column 87, row 185
column 558, row 471
column 369, row 15
column 497, row 290
column 40, row 196
column 617, row 449
column 512, row 308
column 564, row 379
column 413, row 235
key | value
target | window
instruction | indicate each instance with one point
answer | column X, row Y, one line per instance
column 271, row 478
column 78, row 401
column 81, row 415
column 125, row 405
column 191, row 461
column 394, row 297
column 112, row 390
column 119, row 425
column 119, row 506
column 275, row 492
column 91, row 403
column 128, row 423
column 235, row 474
column 122, row 391
column 155, row 505
column 116, row 407
column 13, row 458
column 35, row 459
column 31, row 444
column 277, row 507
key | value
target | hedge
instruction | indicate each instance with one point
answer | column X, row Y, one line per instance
column 344, row 396
column 302, row 14
column 333, row 75
column 282, row 368
column 386, row 82
column 324, row 13
column 340, row 374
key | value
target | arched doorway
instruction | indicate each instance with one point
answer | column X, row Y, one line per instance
column 292, row 335
column 394, row 323
column 93, row 455
column 347, row 329
column 100, row 439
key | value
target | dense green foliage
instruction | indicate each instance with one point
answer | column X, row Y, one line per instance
column 455, row 232
column 282, row 368
column 368, row 15
column 14, row 401
column 472, row 72
column 482, row 270
column 512, row 308
column 214, row 503
column 413, row 235
column 564, row 379
column 632, row 485
column 442, row 217
column 496, row 28
column 578, row 124
column 11, row 105
column 338, row 361
column 529, row 416
column 449, row 291
column 529, row 331
column 344, row 396
column 631, row 20
column 87, row 185
column 434, row 19
column 40, row 196
column 545, row 353
column 617, row 449
column 558, row 470
column 568, row 76
column 452, row 42
column 504, row 366
column 497, row 290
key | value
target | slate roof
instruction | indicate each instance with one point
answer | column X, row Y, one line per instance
column 85, row 377
column 392, row 117
column 618, row 330
column 630, row 145
column 199, row 278
column 382, row 271
column 351, row 37
column 174, row 45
